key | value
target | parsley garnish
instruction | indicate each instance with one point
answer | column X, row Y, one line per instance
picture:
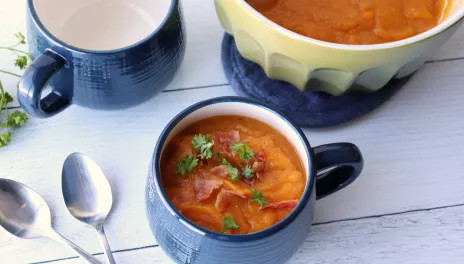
column 247, row 172
column 218, row 156
column 202, row 144
column 233, row 172
column 10, row 121
column 257, row 197
column 229, row 223
column 185, row 165
column 242, row 149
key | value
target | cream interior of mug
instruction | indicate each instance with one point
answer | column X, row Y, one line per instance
column 248, row 110
column 101, row 24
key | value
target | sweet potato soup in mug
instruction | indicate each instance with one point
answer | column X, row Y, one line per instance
column 232, row 174
column 354, row 21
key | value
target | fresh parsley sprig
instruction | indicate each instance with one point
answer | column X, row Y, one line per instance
column 17, row 118
column 202, row 144
column 243, row 150
column 185, row 165
column 247, row 172
column 231, row 171
column 257, row 197
column 229, row 223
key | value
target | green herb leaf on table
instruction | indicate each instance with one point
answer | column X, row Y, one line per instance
column 5, row 98
column 21, row 38
column 202, row 144
column 229, row 223
column 257, row 197
column 22, row 62
column 243, row 150
column 186, row 165
column 15, row 120
column 5, row 139
column 247, row 172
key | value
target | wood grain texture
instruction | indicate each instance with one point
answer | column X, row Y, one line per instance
column 202, row 63
column 427, row 237
column 412, row 147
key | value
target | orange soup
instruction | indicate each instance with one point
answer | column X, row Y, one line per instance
column 354, row 21
column 232, row 174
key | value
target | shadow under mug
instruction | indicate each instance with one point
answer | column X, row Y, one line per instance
column 99, row 79
column 329, row 168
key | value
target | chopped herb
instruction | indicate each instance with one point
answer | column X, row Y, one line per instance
column 186, row 165
column 203, row 145
column 242, row 149
column 218, row 156
column 229, row 223
column 233, row 172
column 247, row 172
column 257, row 197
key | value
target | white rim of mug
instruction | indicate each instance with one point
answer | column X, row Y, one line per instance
column 41, row 27
column 447, row 23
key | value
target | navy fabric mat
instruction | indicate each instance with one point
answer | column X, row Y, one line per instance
column 307, row 109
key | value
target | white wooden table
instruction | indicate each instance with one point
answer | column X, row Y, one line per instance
column 407, row 206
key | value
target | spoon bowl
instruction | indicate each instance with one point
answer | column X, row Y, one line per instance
column 87, row 194
column 86, row 191
column 25, row 214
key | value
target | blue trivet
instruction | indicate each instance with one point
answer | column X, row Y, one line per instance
column 307, row 109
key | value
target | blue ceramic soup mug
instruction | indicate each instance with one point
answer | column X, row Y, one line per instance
column 100, row 54
column 329, row 168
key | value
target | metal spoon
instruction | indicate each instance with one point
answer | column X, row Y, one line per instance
column 25, row 214
column 87, row 194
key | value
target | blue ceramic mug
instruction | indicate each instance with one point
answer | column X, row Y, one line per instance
column 329, row 168
column 100, row 54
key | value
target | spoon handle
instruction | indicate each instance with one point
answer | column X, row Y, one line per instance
column 104, row 242
column 83, row 254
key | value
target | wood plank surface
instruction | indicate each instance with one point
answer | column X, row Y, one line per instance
column 411, row 146
column 426, row 237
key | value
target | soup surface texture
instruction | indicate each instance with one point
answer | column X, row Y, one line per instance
column 354, row 21
column 232, row 174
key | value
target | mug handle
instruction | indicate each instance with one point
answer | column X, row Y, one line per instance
column 33, row 82
column 337, row 166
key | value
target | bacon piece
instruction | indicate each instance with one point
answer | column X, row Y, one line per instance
column 250, row 182
column 205, row 187
column 259, row 156
column 259, row 168
column 220, row 170
column 282, row 204
column 224, row 139
column 223, row 199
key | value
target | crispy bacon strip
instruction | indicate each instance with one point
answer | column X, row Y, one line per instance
column 282, row 204
column 220, row 170
column 223, row 199
column 224, row 139
column 259, row 168
column 205, row 187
